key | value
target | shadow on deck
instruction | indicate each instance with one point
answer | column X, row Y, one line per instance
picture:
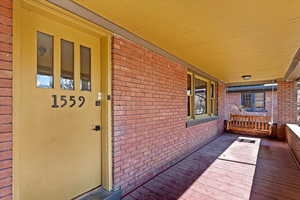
column 223, row 170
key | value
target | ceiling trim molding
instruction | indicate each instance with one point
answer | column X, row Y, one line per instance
column 95, row 18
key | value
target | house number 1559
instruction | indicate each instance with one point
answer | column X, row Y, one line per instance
column 64, row 100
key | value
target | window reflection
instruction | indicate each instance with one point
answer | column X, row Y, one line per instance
column 200, row 97
column 44, row 78
column 85, row 68
column 67, row 65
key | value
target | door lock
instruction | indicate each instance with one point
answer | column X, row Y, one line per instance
column 97, row 128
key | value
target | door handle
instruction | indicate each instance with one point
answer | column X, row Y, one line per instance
column 97, row 128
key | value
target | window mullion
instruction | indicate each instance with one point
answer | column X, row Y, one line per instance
column 193, row 97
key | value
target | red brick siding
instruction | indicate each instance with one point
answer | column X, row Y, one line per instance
column 287, row 105
column 149, row 114
column 293, row 140
column 234, row 99
column 6, row 99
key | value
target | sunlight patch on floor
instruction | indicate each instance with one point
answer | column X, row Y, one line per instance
column 231, row 175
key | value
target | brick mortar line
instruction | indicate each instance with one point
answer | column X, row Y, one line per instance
column 5, row 78
column 5, row 178
column 10, row 194
column 4, row 152
column 2, row 169
column 2, row 6
column 5, row 141
column 7, row 25
column 7, row 160
column 3, row 51
column 7, row 150
column 1, row 133
column 9, row 61
column 7, row 34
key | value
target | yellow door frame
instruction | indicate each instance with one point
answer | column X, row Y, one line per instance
column 61, row 15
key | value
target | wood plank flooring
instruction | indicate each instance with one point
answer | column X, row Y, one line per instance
column 243, row 174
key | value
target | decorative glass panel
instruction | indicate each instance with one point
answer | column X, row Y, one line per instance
column 44, row 77
column 85, row 68
column 67, row 65
column 200, row 97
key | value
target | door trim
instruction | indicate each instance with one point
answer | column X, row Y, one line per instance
column 62, row 15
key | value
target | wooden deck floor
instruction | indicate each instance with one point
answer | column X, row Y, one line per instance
column 216, row 172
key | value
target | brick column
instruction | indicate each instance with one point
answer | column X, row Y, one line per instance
column 287, row 105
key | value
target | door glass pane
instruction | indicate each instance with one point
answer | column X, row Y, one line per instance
column 44, row 77
column 85, row 68
column 200, row 97
column 67, row 65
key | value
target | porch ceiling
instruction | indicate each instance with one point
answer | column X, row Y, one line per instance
column 226, row 39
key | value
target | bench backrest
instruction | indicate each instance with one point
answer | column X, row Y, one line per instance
column 249, row 124
column 250, row 118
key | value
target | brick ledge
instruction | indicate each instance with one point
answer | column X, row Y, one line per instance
column 194, row 122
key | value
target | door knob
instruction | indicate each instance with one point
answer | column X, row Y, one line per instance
column 97, row 128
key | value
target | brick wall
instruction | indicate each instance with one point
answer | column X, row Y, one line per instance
column 293, row 139
column 149, row 114
column 234, row 100
column 5, row 99
column 287, row 105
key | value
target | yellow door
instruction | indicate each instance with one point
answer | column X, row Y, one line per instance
column 58, row 134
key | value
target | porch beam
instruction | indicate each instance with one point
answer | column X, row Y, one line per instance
column 251, row 83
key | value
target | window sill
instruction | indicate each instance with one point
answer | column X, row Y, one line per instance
column 193, row 122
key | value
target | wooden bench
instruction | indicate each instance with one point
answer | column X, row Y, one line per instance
column 254, row 125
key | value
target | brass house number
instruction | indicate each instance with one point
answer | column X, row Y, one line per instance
column 70, row 101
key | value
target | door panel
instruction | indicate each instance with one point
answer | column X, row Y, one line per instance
column 60, row 153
